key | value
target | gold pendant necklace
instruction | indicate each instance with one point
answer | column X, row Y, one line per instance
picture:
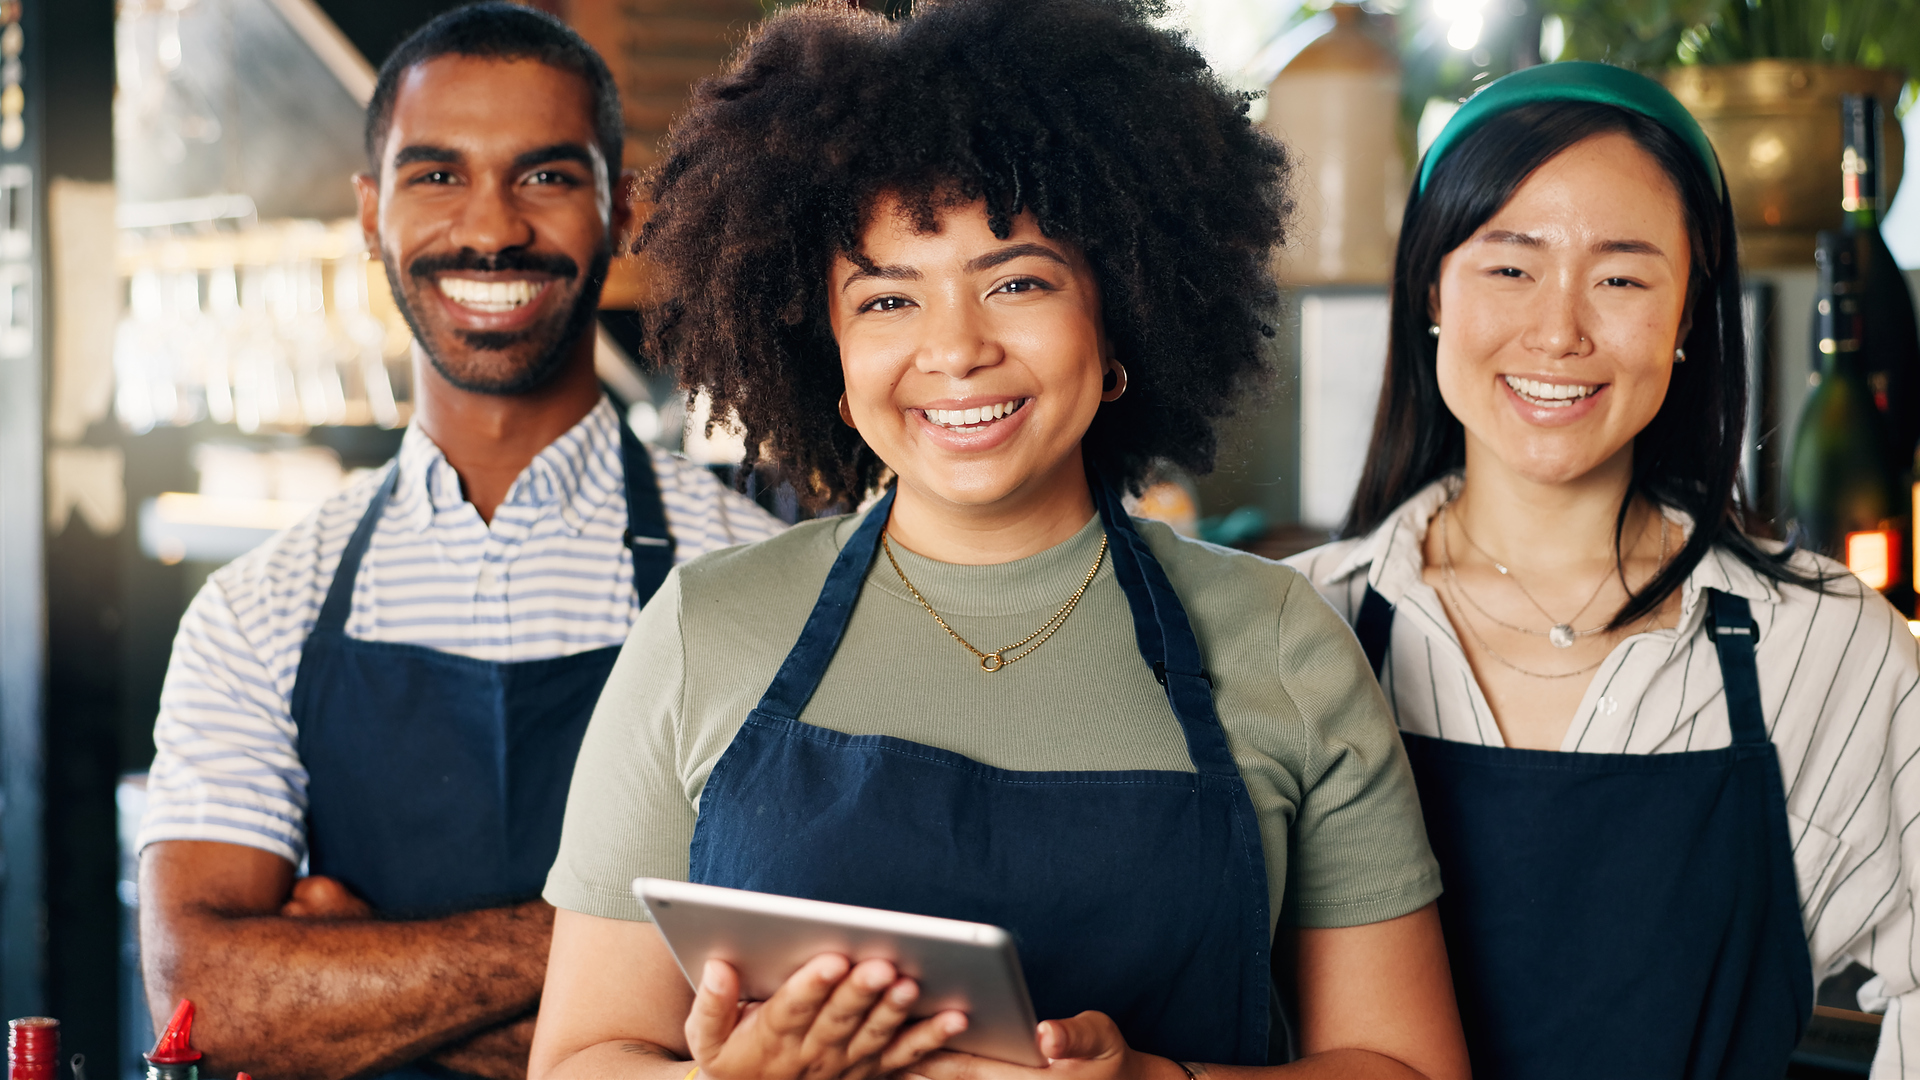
column 991, row 662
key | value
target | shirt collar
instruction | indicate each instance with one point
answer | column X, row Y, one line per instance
column 573, row 476
column 1391, row 555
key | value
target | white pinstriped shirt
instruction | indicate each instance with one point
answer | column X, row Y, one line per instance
column 1838, row 673
column 549, row 577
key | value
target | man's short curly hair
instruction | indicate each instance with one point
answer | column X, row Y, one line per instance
column 1110, row 130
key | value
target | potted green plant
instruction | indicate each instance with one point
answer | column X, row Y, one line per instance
column 1764, row 78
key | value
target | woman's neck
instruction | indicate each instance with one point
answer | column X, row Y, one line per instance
column 1546, row 527
column 1040, row 515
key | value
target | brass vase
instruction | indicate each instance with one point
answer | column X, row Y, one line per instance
column 1776, row 126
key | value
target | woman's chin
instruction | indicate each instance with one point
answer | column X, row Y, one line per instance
column 1552, row 465
column 987, row 485
column 968, row 490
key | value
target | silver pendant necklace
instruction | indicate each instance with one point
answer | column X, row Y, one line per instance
column 1560, row 632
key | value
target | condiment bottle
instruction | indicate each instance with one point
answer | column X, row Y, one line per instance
column 33, row 1048
column 173, row 1058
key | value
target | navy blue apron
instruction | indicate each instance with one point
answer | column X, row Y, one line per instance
column 1619, row 915
column 1142, row 894
column 436, row 783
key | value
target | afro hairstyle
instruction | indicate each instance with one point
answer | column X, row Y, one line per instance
column 1111, row 131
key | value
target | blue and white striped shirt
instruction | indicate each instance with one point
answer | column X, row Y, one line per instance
column 549, row 577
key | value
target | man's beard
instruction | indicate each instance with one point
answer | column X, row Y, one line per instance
column 548, row 344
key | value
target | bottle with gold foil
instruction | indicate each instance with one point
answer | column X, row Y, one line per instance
column 1890, row 333
column 1839, row 489
column 1336, row 106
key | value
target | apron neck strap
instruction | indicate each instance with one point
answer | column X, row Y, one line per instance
column 806, row 663
column 1730, row 624
column 1164, row 634
column 339, row 602
column 646, row 536
column 1374, row 628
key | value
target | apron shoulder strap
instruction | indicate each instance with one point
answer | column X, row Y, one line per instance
column 1730, row 624
column 1374, row 628
column 339, row 602
column 806, row 663
column 1165, row 635
column 647, row 536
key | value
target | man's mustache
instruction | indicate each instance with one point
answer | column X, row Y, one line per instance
column 512, row 259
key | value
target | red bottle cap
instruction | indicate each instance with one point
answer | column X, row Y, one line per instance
column 33, row 1048
column 173, row 1048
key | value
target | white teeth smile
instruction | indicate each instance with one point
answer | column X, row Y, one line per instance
column 1550, row 395
column 491, row 297
column 966, row 418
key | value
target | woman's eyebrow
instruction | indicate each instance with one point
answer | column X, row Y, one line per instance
column 1504, row 236
column 1011, row 252
column 882, row 273
column 1628, row 247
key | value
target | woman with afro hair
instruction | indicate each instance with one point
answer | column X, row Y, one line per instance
column 988, row 264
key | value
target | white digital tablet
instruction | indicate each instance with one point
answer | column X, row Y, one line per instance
column 967, row 966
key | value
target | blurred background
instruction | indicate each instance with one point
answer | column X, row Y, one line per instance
column 194, row 350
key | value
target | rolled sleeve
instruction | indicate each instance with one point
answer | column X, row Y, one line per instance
column 225, row 766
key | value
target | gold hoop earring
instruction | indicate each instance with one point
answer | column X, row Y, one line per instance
column 1115, row 383
column 846, row 413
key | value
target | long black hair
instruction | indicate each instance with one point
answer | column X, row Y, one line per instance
column 1688, row 456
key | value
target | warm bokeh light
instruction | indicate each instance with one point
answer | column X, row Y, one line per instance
column 1870, row 556
column 188, row 508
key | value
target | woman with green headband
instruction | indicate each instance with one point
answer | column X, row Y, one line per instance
column 1662, row 761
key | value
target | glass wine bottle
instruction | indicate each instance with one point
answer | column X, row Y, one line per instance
column 1890, row 337
column 1839, row 489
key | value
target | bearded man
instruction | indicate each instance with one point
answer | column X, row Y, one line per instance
column 393, row 692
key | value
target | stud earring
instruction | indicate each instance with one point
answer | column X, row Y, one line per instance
column 1434, row 330
column 1115, row 382
column 1679, row 356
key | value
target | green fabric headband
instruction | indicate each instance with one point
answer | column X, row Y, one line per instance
column 1574, row 80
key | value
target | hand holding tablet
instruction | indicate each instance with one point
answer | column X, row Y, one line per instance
column 848, row 958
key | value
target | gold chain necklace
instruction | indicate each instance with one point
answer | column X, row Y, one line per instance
column 991, row 662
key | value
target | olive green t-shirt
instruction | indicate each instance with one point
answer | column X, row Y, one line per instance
column 1339, row 820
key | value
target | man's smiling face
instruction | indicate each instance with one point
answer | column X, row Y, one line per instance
column 493, row 213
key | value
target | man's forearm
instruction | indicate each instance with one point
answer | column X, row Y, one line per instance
column 297, row 999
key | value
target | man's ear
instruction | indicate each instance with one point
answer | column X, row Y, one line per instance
column 366, row 189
